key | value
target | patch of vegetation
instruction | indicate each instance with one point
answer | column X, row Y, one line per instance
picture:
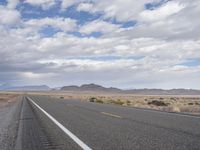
column 128, row 102
column 2, row 99
column 95, row 100
column 99, row 101
column 157, row 103
column 190, row 103
column 61, row 97
column 92, row 99
column 118, row 102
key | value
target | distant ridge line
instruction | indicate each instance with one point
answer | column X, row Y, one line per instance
column 99, row 88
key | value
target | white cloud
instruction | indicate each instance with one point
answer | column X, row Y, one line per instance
column 162, row 12
column 9, row 16
column 32, row 75
column 85, row 7
column 67, row 3
column 154, row 53
column 121, row 10
column 65, row 24
column 12, row 4
column 45, row 4
column 91, row 65
column 98, row 26
column 141, row 73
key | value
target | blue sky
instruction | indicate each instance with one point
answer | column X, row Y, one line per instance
column 123, row 43
column 191, row 62
column 29, row 11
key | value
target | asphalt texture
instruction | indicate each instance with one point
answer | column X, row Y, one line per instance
column 104, row 127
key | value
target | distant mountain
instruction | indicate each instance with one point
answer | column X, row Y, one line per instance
column 70, row 88
column 26, row 88
column 99, row 88
column 90, row 87
column 163, row 92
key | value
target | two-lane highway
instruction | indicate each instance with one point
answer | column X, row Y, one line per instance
column 109, row 127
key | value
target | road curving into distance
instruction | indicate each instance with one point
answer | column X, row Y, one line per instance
column 47, row 123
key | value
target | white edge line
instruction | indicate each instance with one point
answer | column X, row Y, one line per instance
column 69, row 133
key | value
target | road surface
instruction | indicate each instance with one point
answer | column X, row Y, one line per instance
column 48, row 123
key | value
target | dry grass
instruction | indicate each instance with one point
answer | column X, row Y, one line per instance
column 187, row 104
column 169, row 103
column 8, row 98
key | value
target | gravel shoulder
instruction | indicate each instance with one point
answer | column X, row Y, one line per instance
column 9, row 117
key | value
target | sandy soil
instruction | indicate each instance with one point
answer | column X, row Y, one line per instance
column 7, row 99
column 7, row 123
column 169, row 103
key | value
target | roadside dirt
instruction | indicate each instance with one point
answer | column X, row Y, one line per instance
column 168, row 103
column 7, row 99
column 8, row 120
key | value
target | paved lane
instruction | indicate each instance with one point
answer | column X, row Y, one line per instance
column 112, row 127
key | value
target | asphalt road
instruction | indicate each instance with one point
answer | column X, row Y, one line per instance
column 102, row 127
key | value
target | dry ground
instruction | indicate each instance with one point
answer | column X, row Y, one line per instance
column 8, row 119
column 7, row 98
column 169, row 103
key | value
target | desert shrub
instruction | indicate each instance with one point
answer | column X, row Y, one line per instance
column 62, row 97
column 96, row 100
column 157, row 103
column 3, row 99
column 99, row 101
column 190, row 103
column 92, row 99
column 128, row 102
column 118, row 102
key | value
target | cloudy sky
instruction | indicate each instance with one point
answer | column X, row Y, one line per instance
column 121, row 43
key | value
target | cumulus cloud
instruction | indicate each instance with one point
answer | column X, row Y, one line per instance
column 85, row 7
column 162, row 12
column 67, row 3
column 98, row 26
column 12, row 4
column 153, row 53
column 65, row 24
column 9, row 16
column 45, row 4
column 118, row 9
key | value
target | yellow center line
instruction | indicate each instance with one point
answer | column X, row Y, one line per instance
column 112, row 115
